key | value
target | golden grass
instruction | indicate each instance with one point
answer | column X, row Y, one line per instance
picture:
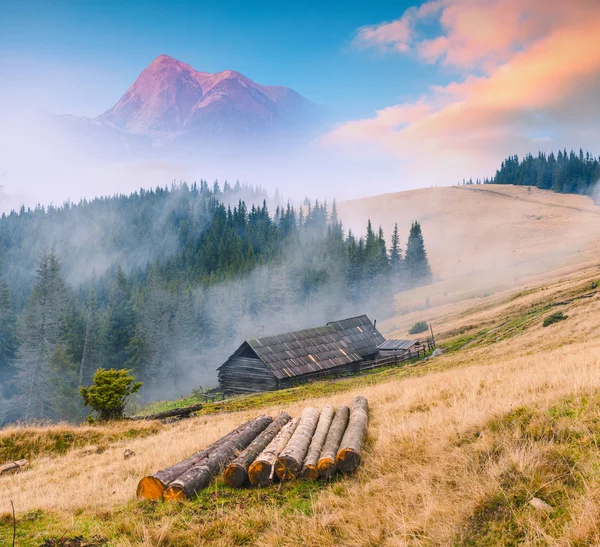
column 449, row 461
column 27, row 442
column 455, row 453
column 483, row 240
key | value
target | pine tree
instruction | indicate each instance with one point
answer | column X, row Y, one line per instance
column 40, row 335
column 395, row 253
column 7, row 337
column 92, row 342
column 151, row 340
column 382, row 255
column 65, row 385
column 119, row 326
column 416, row 263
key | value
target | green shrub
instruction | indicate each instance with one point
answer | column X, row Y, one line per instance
column 418, row 328
column 554, row 318
column 109, row 391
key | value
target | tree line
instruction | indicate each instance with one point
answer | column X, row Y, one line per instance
column 235, row 271
column 565, row 172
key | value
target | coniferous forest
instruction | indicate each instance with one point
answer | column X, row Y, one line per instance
column 566, row 173
column 168, row 282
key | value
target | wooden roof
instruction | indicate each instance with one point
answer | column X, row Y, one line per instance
column 312, row 350
column 398, row 344
column 360, row 333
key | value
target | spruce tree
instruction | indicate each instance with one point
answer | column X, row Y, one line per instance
column 152, row 336
column 416, row 263
column 119, row 326
column 92, row 342
column 7, row 337
column 40, row 335
column 65, row 385
column 395, row 253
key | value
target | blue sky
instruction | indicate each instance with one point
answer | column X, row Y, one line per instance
column 79, row 56
column 422, row 93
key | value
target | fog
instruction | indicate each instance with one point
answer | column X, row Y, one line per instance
column 51, row 159
column 477, row 243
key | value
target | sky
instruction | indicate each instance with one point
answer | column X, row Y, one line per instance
column 423, row 93
column 79, row 57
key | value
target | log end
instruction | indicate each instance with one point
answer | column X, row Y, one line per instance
column 150, row 488
column 174, row 493
column 286, row 468
column 347, row 460
column 310, row 472
column 259, row 473
column 326, row 467
column 235, row 475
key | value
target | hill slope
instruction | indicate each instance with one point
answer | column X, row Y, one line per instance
column 485, row 239
column 458, row 446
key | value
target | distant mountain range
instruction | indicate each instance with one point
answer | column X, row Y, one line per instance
column 174, row 107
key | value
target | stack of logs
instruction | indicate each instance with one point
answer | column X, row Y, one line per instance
column 264, row 450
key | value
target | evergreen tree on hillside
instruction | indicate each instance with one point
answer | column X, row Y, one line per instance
column 65, row 385
column 416, row 263
column 565, row 172
column 92, row 341
column 217, row 272
column 119, row 327
column 395, row 252
column 7, row 337
column 152, row 336
column 41, row 335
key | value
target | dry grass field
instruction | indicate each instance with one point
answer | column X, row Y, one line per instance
column 458, row 445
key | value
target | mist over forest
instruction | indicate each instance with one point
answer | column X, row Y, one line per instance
column 168, row 282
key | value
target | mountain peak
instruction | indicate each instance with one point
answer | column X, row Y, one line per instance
column 163, row 61
column 171, row 96
column 163, row 58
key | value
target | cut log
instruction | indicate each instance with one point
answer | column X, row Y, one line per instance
column 326, row 464
column 13, row 467
column 236, row 473
column 348, row 456
column 262, row 471
column 289, row 461
column 199, row 476
column 153, row 486
column 182, row 412
column 309, row 467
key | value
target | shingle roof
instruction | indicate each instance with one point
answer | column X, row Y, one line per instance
column 311, row 350
column 360, row 333
column 397, row 344
column 302, row 352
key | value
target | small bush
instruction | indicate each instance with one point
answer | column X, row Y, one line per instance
column 418, row 328
column 554, row 318
column 109, row 391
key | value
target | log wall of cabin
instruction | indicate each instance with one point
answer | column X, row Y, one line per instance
column 246, row 375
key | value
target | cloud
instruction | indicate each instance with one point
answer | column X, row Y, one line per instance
column 524, row 68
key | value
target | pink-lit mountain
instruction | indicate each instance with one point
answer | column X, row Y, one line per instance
column 171, row 99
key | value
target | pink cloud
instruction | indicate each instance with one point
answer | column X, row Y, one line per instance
column 474, row 33
column 528, row 67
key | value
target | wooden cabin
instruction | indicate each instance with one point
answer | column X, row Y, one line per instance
column 275, row 362
column 404, row 349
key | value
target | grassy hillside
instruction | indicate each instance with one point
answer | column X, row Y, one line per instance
column 458, row 445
